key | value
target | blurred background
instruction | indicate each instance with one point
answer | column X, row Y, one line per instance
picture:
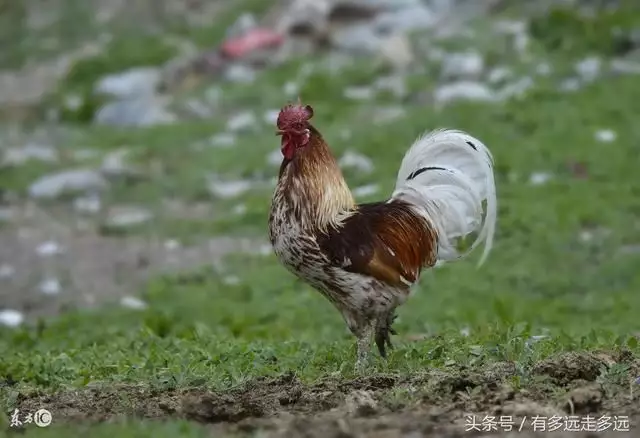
column 136, row 137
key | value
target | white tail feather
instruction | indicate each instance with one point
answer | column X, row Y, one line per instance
column 451, row 176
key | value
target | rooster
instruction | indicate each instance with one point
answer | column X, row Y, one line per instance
column 365, row 258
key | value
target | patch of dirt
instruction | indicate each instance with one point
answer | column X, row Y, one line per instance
column 91, row 269
column 441, row 403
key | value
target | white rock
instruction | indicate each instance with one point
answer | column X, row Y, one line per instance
column 240, row 73
column 239, row 209
column 31, row 151
column 395, row 84
column 11, row 318
column 50, row 286
column 359, row 93
column 516, row 89
column 128, row 216
column 135, row 81
column 133, row 303
column 231, row 280
column 624, row 66
column 49, row 248
column 543, row 69
column 570, row 85
column 228, row 189
column 274, row 158
column 606, row 135
column 589, row 68
column 138, row 111
column 357, row 161
column 368, row 190
column 90, row 204
column 291, row 89
column 171, row 244
column 223, row 140
column 464, row 90
column 539, row 178
column 270, row 117
column 6, row 271
column 242, row 121
column 68, row 181
column 499, row 74
column 462, row 65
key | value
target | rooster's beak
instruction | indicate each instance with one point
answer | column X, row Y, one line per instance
column 278, row 133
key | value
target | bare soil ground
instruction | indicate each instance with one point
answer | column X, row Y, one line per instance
column 433, row 403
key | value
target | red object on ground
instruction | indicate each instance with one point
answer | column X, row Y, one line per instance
column 255, row 39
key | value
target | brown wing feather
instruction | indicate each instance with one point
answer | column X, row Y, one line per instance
column 384, row 240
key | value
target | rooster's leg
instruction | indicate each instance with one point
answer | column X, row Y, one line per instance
column 383, row 332
column 363, row 346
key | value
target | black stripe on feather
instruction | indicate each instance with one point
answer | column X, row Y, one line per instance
column 423, row 169
column 472, row 145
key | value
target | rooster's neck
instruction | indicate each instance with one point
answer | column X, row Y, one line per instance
column 315, row 187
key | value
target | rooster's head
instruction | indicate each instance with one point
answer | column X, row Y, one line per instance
column 293, row 126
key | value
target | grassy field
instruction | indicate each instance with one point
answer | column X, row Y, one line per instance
column 549, row 321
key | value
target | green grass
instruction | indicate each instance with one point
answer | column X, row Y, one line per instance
column 200, row 330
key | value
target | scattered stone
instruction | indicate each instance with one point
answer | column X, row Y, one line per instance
column 243, row 121
column 625, row 66
column 388, row 114
column 291, row 89
column 49, row 248
column 7, row 271
column 606, row 135
column 274, row 158
column 171, row 244
column 67, row 182
column 50, row 286
column 126, row 217
column 463, row 90
column 223, row 140
column 543, row 69
column 359, row 93
column 357, row 39
column 133, row 303
column 90, row 204
column 135, row 111
column 11, row 318
column 367, row 190
column 115, row 164
column 396, row 85
column 396, row 52
column 240, row 74
column 570, row 85
column 31, row 151
column 407, row 17
column 270, row 117
column 357, row 161
column 228, row 189
column 139, row 81
column 231, row 280
column 539, row 178
column 589, row 68
column 239, row 210
column 463, row 65
column 499, row 74
column 516, row 89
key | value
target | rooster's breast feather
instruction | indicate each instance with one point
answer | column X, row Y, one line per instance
column 384, row 240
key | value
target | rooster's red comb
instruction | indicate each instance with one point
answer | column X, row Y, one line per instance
column 294, row 115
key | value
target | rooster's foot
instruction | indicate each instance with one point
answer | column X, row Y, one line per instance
column 384, row 332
